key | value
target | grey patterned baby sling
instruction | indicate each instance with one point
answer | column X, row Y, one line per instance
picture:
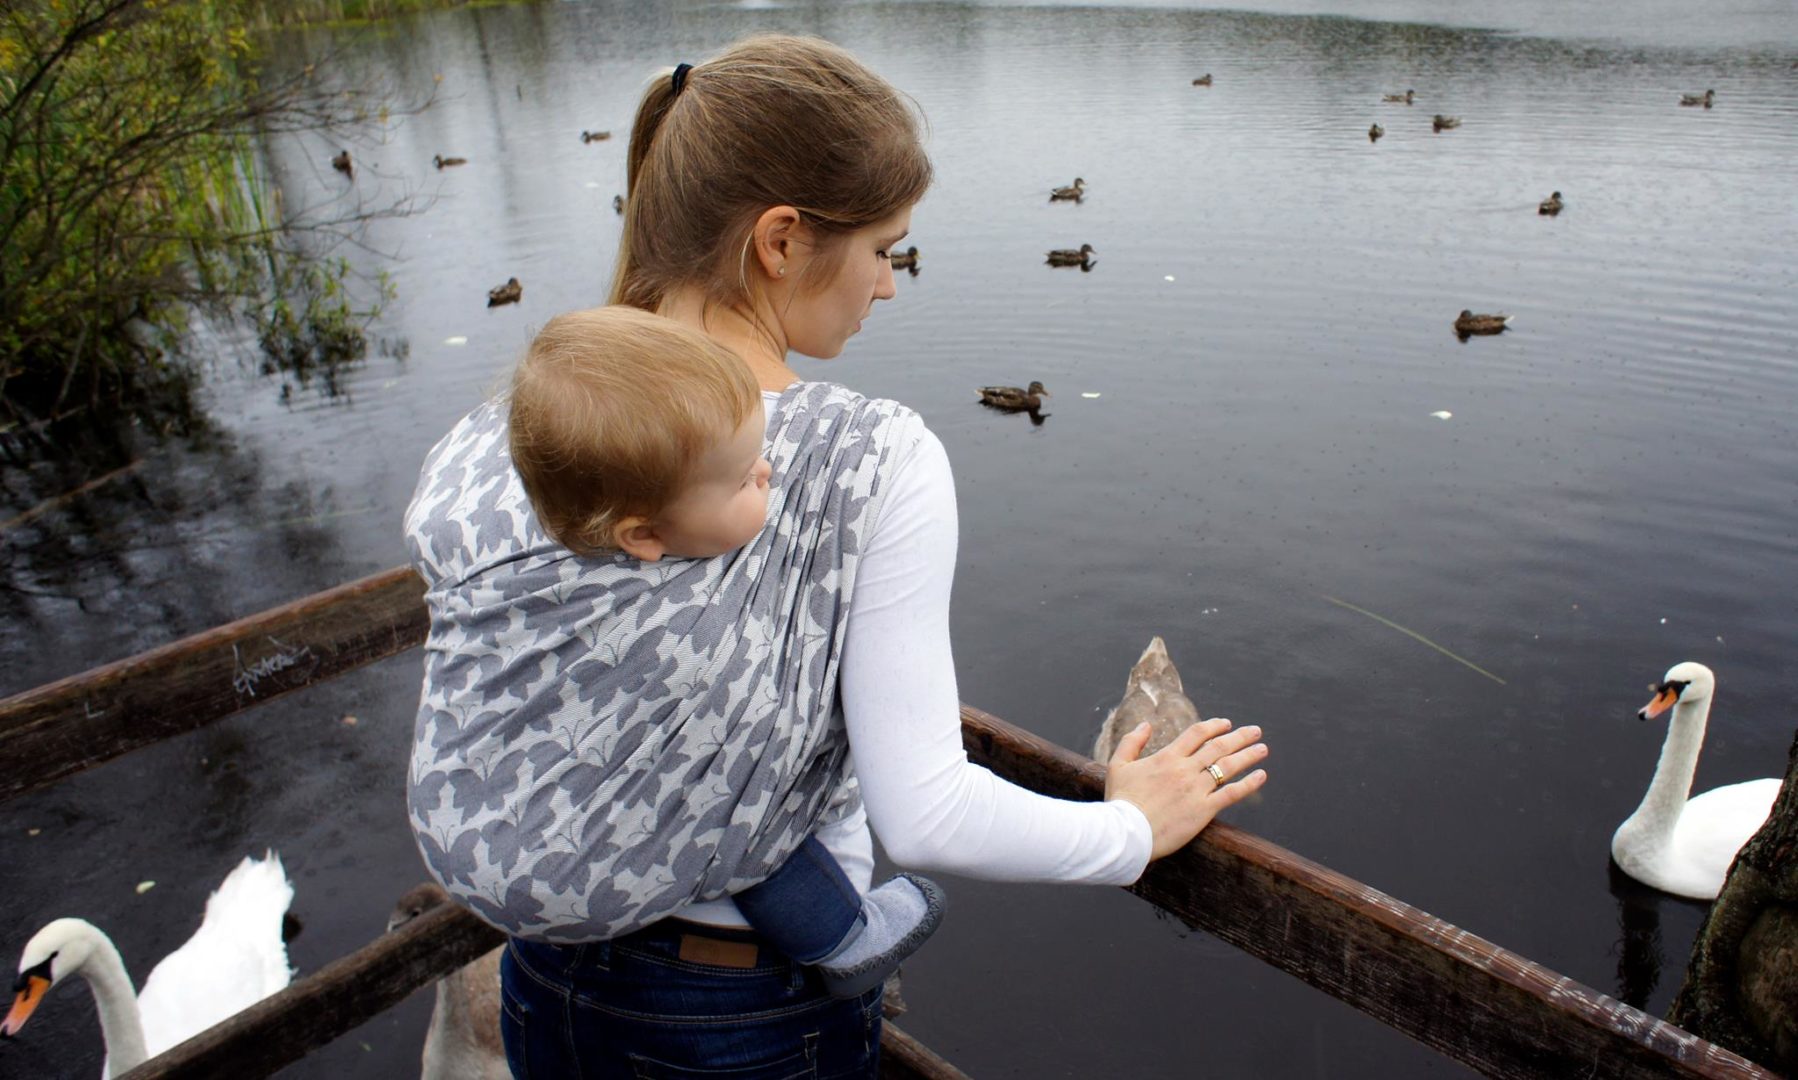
column 602, row 741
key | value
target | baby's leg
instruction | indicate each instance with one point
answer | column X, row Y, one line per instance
column 810, row 911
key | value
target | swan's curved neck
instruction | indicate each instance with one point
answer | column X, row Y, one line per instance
column 1679, row 761
column 120, row 1023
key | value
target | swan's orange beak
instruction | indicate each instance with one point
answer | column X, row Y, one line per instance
column 31, row 990
column 1664, row 697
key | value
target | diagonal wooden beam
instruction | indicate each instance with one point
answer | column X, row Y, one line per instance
column 1456, row 993
column 68, row 725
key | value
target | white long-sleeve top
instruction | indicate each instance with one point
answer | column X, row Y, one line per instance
column 931, row 806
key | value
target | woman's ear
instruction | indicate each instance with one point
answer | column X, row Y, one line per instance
column 636, row 536
column 780, row 237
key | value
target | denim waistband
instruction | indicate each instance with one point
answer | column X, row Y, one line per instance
column 660, row 937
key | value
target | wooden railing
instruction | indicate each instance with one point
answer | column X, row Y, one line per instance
column 1481, row 1005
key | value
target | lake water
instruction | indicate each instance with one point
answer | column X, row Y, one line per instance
column 1241, row 431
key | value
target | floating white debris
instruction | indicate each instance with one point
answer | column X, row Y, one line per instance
column 34, row 832
column 1663, row 621
column 1442, row 414
column 1088, row 394
column 144, row 887
column 349, row 720
column 591, row 185
column 1169, row 277
column 457, row 340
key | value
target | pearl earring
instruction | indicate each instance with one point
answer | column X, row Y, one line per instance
column 781, row 270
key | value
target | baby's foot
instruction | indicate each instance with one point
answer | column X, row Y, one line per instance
column 896, row 918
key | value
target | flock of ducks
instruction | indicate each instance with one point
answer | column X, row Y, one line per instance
column 1468, row 324
column 511, row 292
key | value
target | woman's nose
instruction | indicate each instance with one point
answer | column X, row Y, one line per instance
column 884, row 288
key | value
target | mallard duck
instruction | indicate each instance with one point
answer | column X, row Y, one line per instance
column 618, row 203
column 1703, row 99
column 1468, row 323
column 904, row 260
column 1374, row 133
column 342, row 163
column 1551, row 205
column 595, row 136
column 1203, row 80
column 1402, row 99
column 1074, row 192
column 1443, row 123
column 444, row 162
column 236, row 958
column 1153, row 693
column 1012, row 399
column 1070, row 257
column 463, row 1041
column 505, row 294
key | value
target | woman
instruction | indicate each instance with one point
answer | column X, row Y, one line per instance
column 599, row 790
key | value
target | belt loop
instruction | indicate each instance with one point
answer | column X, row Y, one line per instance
column 599, row 955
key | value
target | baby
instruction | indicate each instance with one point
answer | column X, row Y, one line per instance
column 634, row 433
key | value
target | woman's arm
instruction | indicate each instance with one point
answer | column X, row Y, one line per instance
column 930, row 806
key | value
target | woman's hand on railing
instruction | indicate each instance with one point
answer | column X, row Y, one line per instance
column 1182, row 786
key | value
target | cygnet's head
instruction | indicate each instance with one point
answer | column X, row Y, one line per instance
column 1689, row 681
column 52, row 954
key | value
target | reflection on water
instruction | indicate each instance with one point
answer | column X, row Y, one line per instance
column 1243, row 426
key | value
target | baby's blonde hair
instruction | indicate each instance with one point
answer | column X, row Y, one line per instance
column 610, row 409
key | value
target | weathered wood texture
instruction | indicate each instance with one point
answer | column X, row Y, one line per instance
column 343, row 995
column 905, row 1058
column 1485, row 1007
column 1741, row 988
column 66, row 726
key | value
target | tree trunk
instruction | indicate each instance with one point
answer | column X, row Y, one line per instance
column 1741, row 988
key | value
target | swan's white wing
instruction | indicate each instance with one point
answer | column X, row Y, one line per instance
column 234, row 960
column 1715, row 825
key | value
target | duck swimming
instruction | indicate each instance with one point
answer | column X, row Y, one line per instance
column 1443, row 123
column 1402, row 99
column 1467, row 324
column 341, row 162
column 1203, row 80
column 509, row 293
column 595, row 136
column 1071, row 257
column 1074, row 192
column 1374, row 133
column 904, row 260
column 1551, row 205
column 1703, row 99
column 1012, row 399
column 444, row 162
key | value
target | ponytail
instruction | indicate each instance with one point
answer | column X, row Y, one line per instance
column 771, row 121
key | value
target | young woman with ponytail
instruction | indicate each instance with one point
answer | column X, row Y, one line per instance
column 602, row 794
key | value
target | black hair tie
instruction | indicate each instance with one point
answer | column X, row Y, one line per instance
column 680, row 77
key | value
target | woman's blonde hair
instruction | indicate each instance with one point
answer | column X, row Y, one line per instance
column 771, row 121
column 610, row 410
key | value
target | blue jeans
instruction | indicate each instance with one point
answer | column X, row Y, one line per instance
column 806, row 907
column 678, row 1001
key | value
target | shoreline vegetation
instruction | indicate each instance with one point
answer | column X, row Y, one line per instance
column 137, row 193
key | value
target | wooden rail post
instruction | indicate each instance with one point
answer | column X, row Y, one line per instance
column 63, row 727
column 1484, row 1006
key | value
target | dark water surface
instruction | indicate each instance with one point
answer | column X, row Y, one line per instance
column 1267, row 333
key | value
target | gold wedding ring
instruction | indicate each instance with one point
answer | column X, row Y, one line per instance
column 1217, row 774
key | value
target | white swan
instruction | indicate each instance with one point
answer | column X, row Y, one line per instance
column 463, row 1041
column 1680, row 845
column 234, row 960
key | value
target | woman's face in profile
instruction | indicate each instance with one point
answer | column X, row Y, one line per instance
column 820, row 319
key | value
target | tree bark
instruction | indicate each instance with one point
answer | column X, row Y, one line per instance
column 1741, row 988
